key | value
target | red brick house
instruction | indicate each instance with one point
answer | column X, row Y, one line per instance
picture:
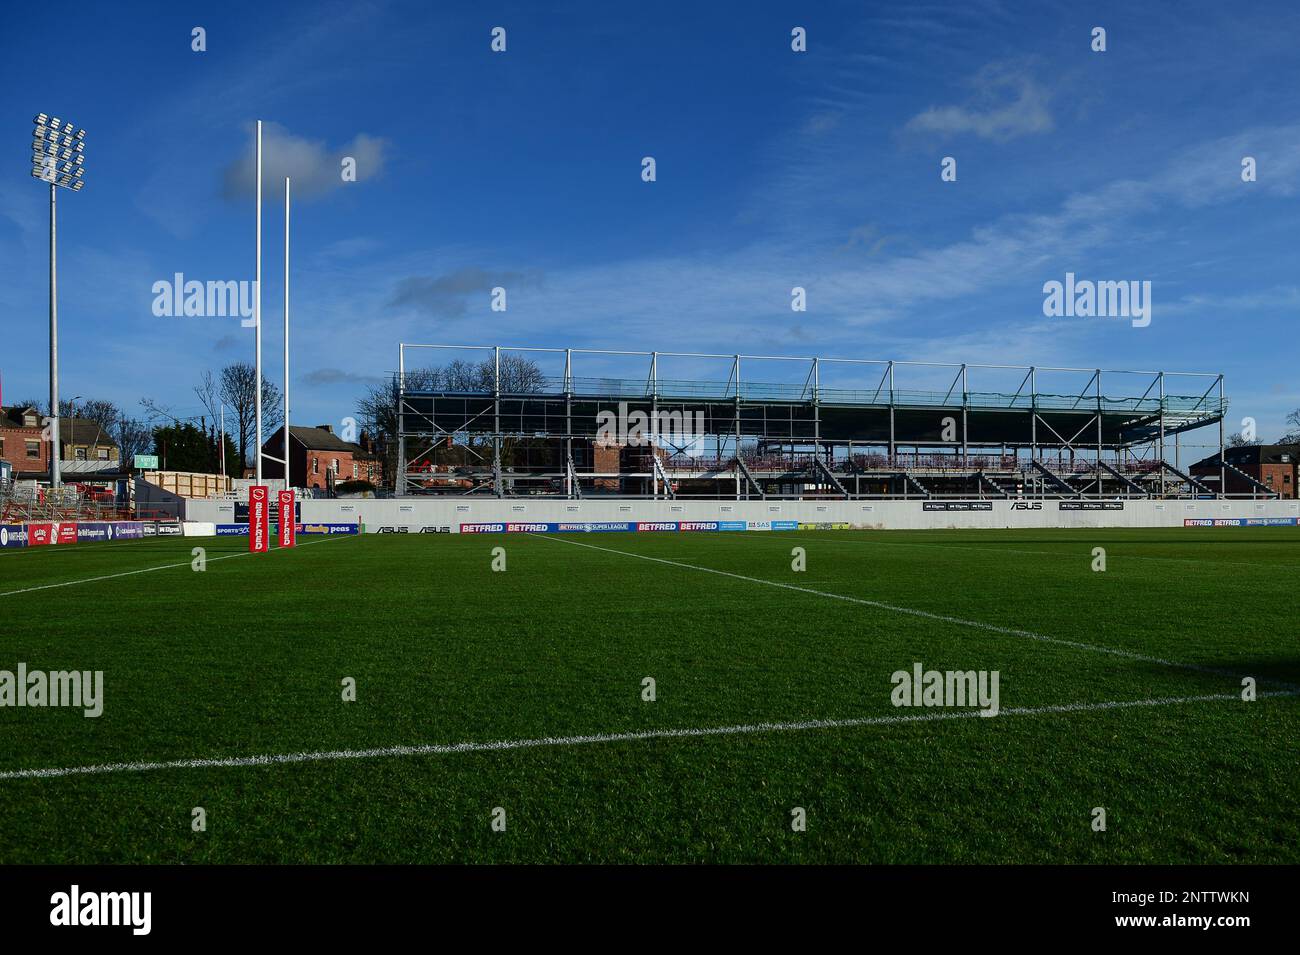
column 1272, row 465
column 318, row 458
column 21, row 444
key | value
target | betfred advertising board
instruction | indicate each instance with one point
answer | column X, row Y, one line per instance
column 1240, row 521
column 258, row 520
column 287, row 528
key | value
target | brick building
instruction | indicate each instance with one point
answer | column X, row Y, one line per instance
column 1272, row 465
column 318, row 458
column 80, row 439
column 84, row 440
column 21, row 444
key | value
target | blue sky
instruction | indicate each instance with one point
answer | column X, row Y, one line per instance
column 775, row 169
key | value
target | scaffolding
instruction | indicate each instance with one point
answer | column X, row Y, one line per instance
column 882, row 429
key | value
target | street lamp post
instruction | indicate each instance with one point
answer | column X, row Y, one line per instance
column 56, row 159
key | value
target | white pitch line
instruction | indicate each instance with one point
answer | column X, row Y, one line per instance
column 444, row 749
column 925, row 614
column 150, row 570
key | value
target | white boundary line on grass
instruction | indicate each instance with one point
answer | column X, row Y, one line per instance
column 443, row 749
column 925, row 614
column 150, row 570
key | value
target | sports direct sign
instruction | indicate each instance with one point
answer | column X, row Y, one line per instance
column 258, row 520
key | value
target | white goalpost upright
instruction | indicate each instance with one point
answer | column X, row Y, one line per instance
column 284, row 448
column 257, row 321
column 257, row 315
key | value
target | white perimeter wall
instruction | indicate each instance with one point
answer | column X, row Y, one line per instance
column 416, row 514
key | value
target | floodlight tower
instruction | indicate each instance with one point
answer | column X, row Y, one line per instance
column 56, row 159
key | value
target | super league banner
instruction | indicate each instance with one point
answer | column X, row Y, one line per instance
column 258, row 523
column 288, row 528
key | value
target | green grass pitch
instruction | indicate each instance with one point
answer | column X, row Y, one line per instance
column 247, row 658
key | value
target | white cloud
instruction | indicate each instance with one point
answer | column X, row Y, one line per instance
column 1006, row 102
column 314, row 168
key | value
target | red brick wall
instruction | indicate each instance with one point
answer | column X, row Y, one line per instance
column 605, row 459
column 319, row 462
column 1279, row 477
column 1283, row 478
column 15, row 449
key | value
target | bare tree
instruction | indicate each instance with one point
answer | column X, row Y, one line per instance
column 1292, row 435
column 103, row 413
column 132, row 437
column 157, row 411
column 209, row 394
column 377, row 408
column 237, row 390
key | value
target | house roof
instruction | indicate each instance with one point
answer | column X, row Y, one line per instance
column 83, row 431
column 313, row 439
column 71, row 430
column 1254, row 454
column 11, row 416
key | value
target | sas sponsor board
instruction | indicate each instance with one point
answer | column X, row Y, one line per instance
column 1241, row 522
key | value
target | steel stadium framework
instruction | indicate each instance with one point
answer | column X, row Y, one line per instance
column 508, row 434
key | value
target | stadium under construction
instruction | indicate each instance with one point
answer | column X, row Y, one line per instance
column 612, row 424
